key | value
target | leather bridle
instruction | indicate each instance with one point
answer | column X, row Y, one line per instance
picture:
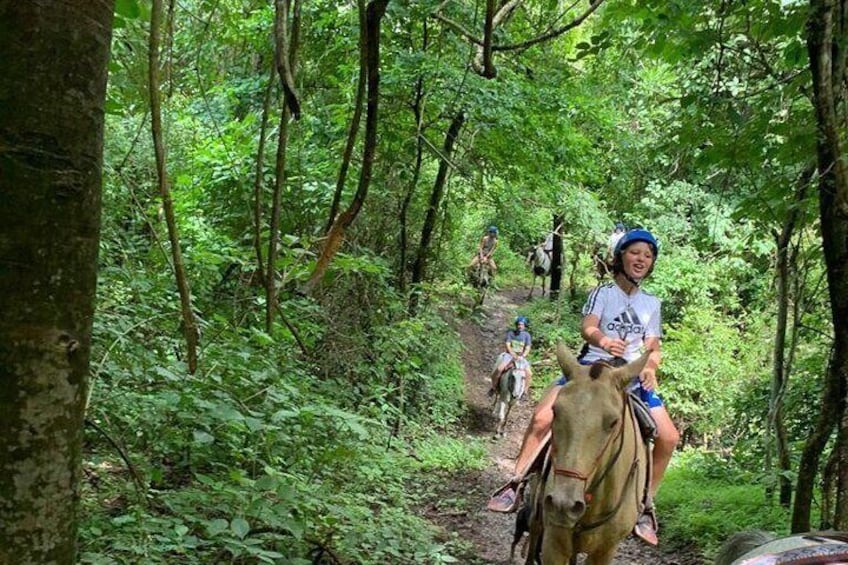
column 597, row 479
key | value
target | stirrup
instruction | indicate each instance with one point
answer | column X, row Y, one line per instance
column 506, row 499
column 646, row 527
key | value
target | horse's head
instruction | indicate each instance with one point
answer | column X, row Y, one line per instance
column 589, row 418
column 481, row 276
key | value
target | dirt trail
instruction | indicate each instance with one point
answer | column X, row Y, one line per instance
column 460, row 507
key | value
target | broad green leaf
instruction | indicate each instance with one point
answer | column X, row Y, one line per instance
column 216, row 527
column 240, row 527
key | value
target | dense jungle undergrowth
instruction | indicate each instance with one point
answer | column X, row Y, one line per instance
column 376, row 450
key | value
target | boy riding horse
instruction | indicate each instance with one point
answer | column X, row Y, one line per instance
column 485, row 250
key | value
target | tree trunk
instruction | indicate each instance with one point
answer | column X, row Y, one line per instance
column 259, row 179
column 483, row 62
column 828, row 492
column 826, row 43
column 418, row 113
column 419, row 268
column 556, row 261
column 813, row 448
column 785, row 270
column 286, row 49
column 286, row 54
column 52, row 96
column 374, row 14
column 354, row 122
column 189, row 323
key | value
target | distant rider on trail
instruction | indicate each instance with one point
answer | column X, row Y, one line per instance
column 485, row 250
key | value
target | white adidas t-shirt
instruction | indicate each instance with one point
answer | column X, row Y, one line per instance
column 629, row 317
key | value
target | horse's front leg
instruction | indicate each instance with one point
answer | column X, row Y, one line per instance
column 505, row 411
column 500, row 414
column 557, row 546
column 602, row 556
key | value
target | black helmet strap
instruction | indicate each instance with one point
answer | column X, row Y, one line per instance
column 633, row 281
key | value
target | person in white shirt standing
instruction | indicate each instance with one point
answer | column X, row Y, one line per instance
column 617, row 233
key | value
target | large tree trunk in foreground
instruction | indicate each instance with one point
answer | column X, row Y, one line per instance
column 826, row 43
column 52, row 95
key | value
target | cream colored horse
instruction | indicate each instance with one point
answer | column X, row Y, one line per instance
column 510, row 388
column 593, row 492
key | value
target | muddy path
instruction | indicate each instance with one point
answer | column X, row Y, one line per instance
column 459, row 507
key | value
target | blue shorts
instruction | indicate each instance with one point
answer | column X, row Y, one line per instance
column 649, row 397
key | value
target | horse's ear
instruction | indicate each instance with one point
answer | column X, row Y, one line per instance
column 569, row 365
column 622, row 375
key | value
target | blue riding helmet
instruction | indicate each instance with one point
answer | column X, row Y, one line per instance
column 493, row 229
column 634, row 235
column 620, row 226
column 522, row 320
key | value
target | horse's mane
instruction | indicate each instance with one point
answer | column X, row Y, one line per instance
column 597, row 369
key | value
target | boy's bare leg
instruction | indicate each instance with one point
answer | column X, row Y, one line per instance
column 537, row 433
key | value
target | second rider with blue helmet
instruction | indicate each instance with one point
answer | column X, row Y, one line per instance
column 619, row 321
column 516, row 349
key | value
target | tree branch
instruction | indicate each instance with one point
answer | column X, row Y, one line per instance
column 284, row 59
column 551, row 34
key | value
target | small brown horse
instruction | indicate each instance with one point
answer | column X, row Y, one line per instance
column 593, row 492
column 480, row 276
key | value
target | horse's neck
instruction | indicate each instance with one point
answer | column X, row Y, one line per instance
column 508, row 383
column 620, row 465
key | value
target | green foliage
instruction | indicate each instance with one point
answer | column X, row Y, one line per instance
column 439, row 453
column 296, row 439
column 703, row 498
column 249, row 462
column 704, row 369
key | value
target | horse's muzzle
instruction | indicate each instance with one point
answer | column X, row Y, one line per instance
column 563, row 511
